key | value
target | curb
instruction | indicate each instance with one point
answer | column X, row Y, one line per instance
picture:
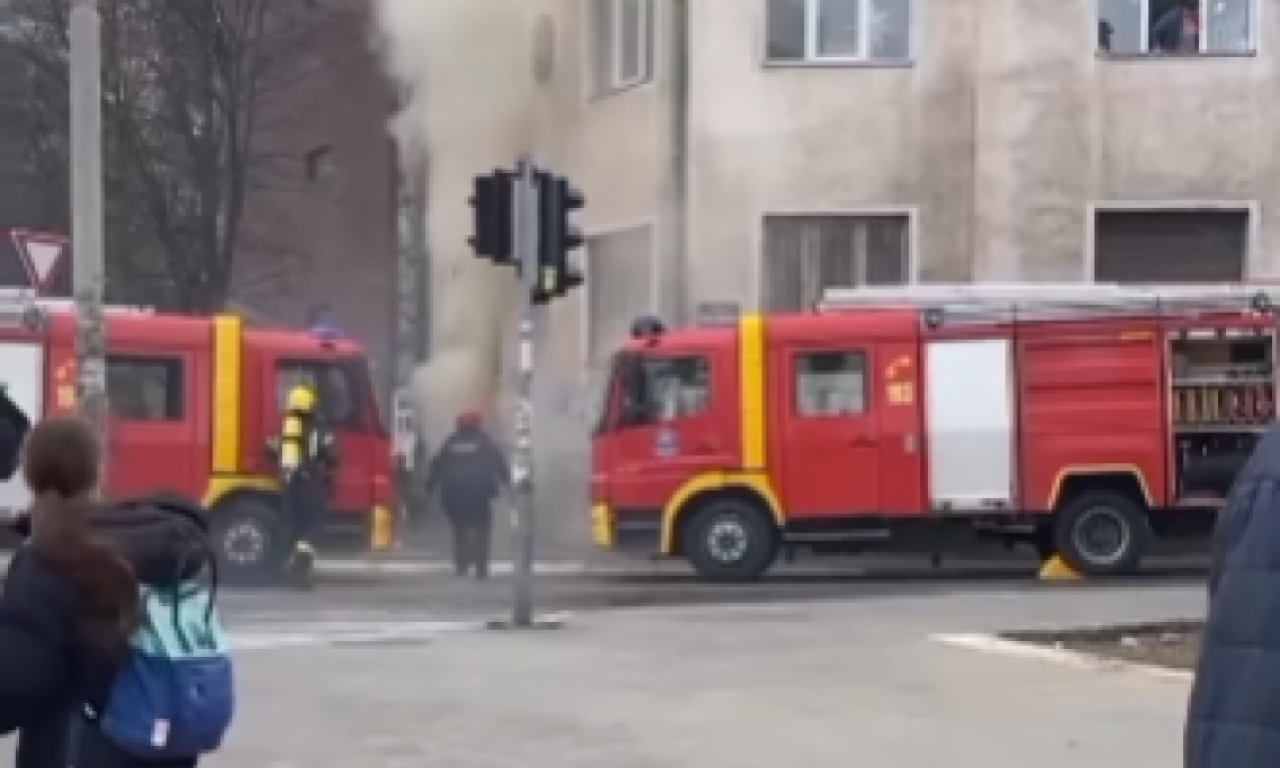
column 340, row 567
column 1062, row 656
column 373, row 567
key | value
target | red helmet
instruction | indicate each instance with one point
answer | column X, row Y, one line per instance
column 469, row 418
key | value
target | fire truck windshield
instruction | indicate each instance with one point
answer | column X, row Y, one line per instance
column 646, row 389
column 343, row 387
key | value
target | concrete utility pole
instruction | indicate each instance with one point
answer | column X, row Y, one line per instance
column 88, row 267
column 525, row 253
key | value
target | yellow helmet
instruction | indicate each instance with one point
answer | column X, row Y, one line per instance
column 301, row 398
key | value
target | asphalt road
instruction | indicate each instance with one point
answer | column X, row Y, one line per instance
column 384, row 600
column 752, row 686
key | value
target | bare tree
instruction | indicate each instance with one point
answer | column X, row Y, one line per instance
column 199, row 104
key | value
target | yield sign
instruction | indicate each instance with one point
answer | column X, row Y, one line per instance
column 42, row 254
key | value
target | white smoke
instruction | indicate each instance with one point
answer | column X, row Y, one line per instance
column 466, row 64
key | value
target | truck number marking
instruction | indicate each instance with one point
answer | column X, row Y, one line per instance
column 66, row 397
column 900, row 393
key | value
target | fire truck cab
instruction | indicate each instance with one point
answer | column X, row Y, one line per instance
column 1083, row 420
column 193, row 404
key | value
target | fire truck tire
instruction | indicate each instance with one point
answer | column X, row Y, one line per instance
column 249, row 539
column 1102, row 533
column 730, row 539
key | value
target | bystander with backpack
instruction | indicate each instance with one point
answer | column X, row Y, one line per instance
column 111, row 651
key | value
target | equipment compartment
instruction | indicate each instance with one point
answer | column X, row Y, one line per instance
column 1222, row 396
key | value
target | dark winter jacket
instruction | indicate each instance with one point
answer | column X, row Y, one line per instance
column 48, row 671
column 1233, row 718
column 469, row 468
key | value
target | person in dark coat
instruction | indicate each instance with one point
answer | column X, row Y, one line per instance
column 71, row 598
column 470, row 471
column 1233, row 716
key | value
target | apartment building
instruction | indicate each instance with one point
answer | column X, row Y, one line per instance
column 745, row 153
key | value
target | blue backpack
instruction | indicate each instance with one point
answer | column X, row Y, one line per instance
column 175, row 696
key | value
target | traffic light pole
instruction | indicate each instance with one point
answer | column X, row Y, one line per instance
column 525, row 253
column 522, row 220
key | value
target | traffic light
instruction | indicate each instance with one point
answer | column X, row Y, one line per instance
column 492, row 197
column 558, row 237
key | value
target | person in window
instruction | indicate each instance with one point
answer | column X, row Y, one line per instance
column 470, row 471
column 1233, row 714
column 1178, row 29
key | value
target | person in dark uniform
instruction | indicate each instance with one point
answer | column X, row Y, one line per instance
column 307, row 460
column 470, row 471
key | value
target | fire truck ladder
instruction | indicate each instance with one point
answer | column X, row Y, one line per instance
column 947, row 304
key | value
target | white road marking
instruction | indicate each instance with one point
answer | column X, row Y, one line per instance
column 372, row 566
column 1000, row 645
column 264, row 638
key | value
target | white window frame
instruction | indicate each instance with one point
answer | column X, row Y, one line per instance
column 866, row 8
column 1202, row 49
column 615, row 78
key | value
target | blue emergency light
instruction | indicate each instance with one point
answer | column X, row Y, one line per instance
column 327, row 333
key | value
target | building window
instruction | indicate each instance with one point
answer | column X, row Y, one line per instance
column 619, row 288
column 805, row 255
column 621, row 44
column 318, row 165
column 1177, row 27
column 831, row 383
column 145, row 388
column 838, row 31
column 1192, row 245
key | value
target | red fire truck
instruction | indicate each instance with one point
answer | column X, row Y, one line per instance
column 1083, row 420
column 194, row 401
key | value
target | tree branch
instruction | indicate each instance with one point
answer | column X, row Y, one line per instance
column 191, row 107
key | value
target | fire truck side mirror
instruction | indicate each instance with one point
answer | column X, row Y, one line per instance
column 1262, row 304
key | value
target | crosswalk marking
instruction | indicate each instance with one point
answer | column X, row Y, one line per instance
column 311, row 634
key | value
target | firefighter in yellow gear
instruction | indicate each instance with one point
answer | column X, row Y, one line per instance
column 307, row 460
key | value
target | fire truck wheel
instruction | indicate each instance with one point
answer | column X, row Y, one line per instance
column 1101, row 532
column 249, row 539
column 730, row 539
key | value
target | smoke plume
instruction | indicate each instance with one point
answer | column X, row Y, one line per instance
column 464, row 66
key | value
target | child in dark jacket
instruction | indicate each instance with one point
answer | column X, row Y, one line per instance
column 71, row 601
